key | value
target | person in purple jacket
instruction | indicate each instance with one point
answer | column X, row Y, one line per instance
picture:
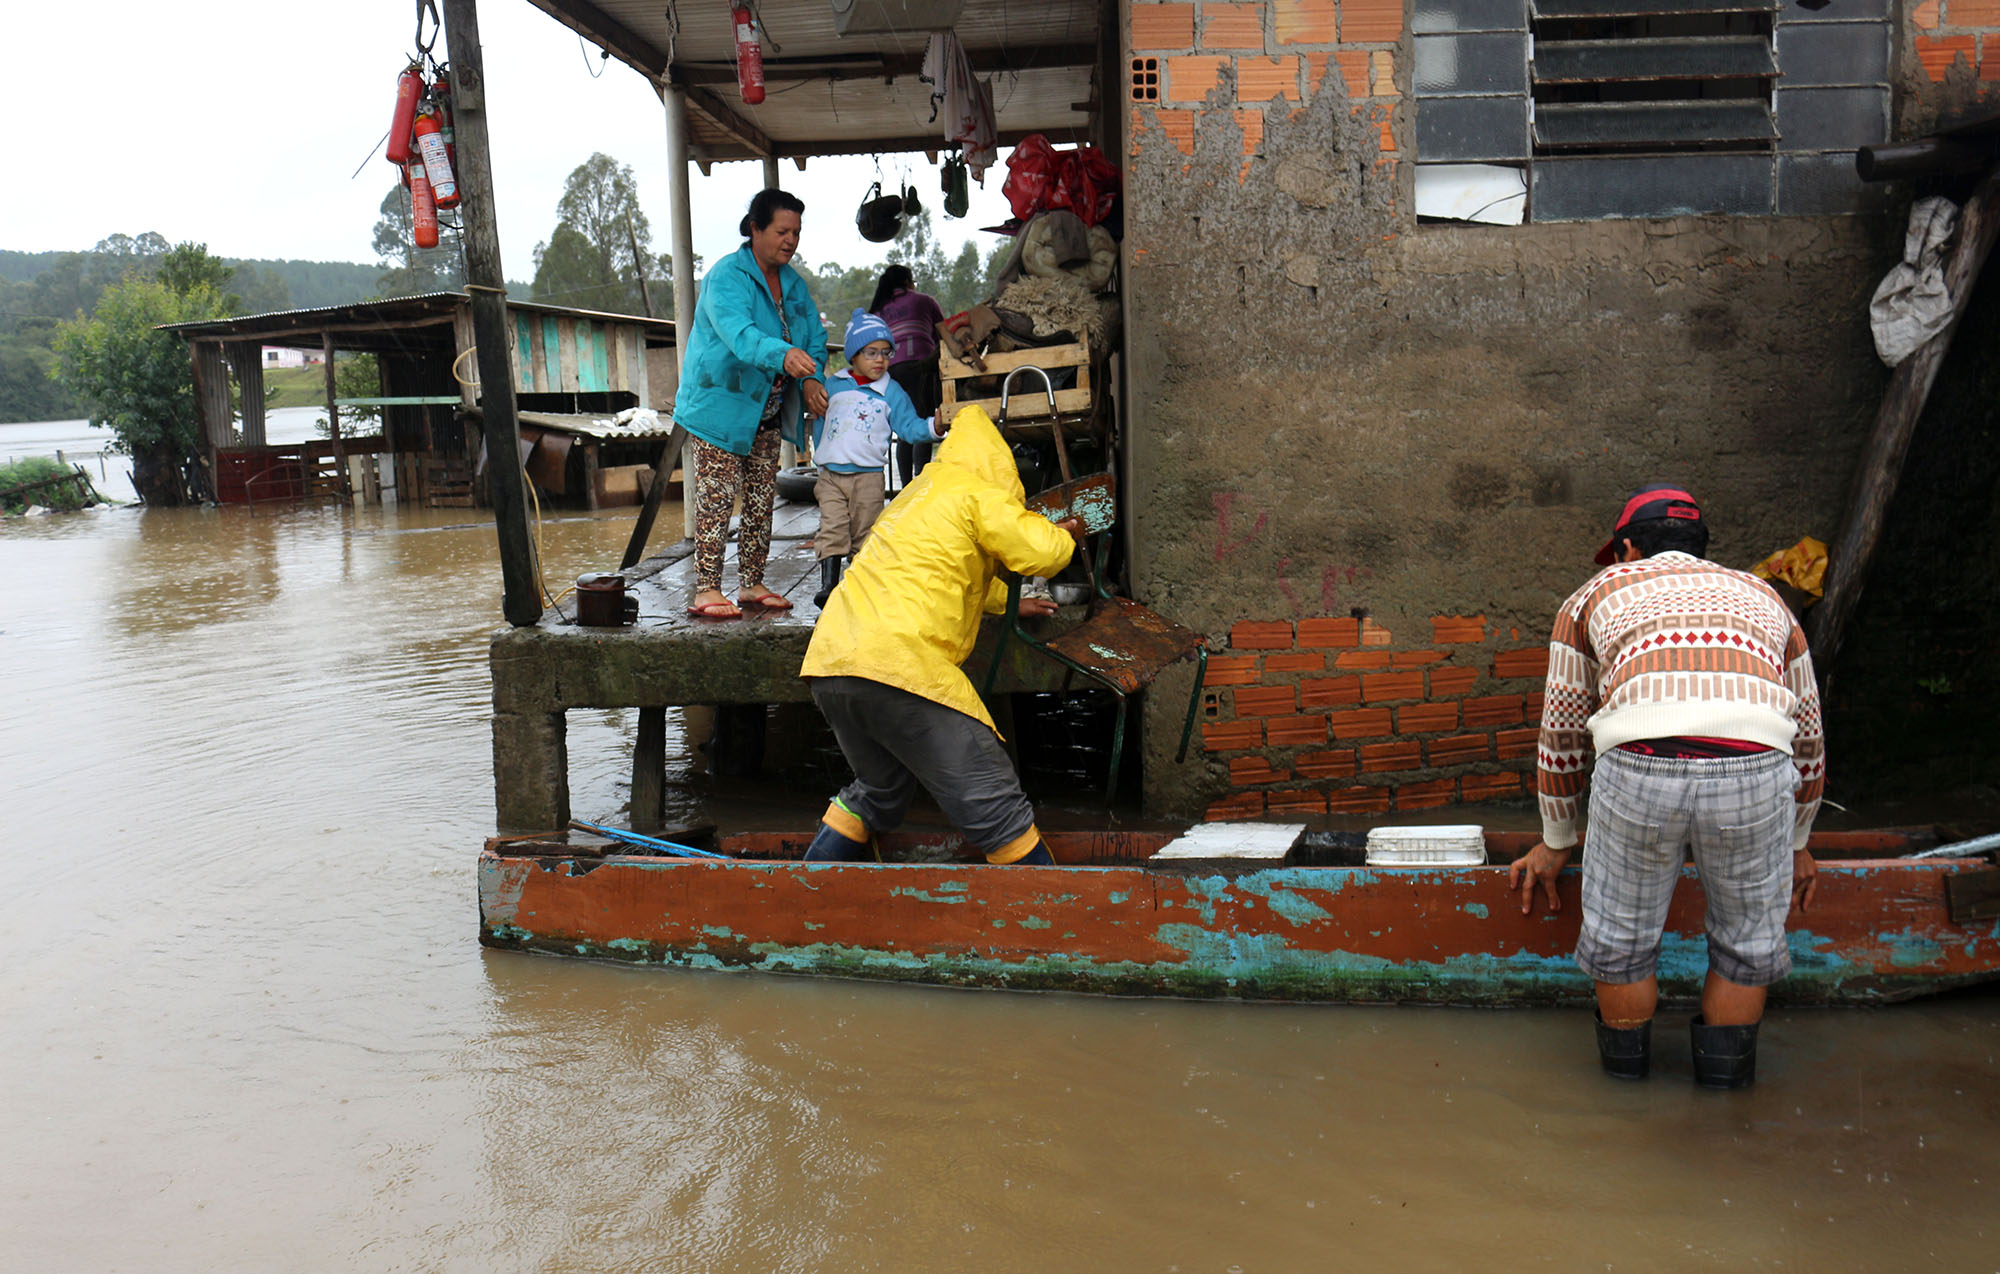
column 912, row 317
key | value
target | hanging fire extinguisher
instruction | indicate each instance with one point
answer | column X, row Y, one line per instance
column 749, row 55
column 423, row 207
column 437, row 163
column 409, row 88
column 441, row 98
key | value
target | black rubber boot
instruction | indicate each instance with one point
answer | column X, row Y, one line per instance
column 1039, row 856
column 1724, row 1056
column 829, row 578
column 1627, row 1053
column 829, row 846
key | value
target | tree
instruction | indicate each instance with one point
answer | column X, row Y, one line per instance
column 408, row 270
column 186, row 268
column 137, row 380
column 600, row 241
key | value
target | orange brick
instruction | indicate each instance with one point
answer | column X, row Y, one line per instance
column 1532, row 662
column 1358, row 800
column 1373, row 634
column 1190, row 79
column 1382, row 73
column 1251, row 123
column 1488, row 787
column 1989, row 57
column 1241, row 805
column 1531, row 706
column 1329, row 632
column 1162, row 26
column 1491, row 710
column 1324, row 765
column 1377, row 757
column 1230, row 670
column 1452, row 681
column 1363, row 659
column 1177, row 127
column 1256, row 634
column 1371, row 21
column 1385, row 129
column 1359, row 723
column 1300, row 802
column 1303, row 662
column 1304, row 21
column 1265, row 701
column 1294, row 732
column 1937, row 53
column 1418, row 658
column 1329, row 692
column 1426, row 718
column 1459, row 749
column 1231, row 26
column 1458, row 628
column 1925, row 16
column 1229, row 736
column 1245, row 771
column 1513, row 745
column 1353, row 67
column 1266, row 79
column 1972, row 13
column 1377, row 686
column 1426, row 796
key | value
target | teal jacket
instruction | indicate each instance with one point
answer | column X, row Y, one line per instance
column 737, row 347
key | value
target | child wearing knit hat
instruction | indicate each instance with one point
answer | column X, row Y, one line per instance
column 865, row 412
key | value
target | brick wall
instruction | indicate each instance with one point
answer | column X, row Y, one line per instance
column 1341, row 716
column 1962, row 33
column 1273, row 53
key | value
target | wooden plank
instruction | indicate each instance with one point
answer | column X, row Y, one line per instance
column 616, row 373
column 585, row 333
column 524, row 353
column 566, row 347
column 1972, row 896
column 549, row 378
column 952, row 367
column 249, row 359
column 649, row 770
column 538, row 376
column 600, row 363
column 642, row 381
column 1027, row 407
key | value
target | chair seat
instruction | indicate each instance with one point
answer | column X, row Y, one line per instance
column 1123, row 644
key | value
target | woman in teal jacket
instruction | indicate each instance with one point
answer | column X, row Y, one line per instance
column 754, row 359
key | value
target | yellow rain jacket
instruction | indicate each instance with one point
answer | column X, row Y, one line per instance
column 908, row 611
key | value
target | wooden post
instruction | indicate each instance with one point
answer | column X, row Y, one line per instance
column 333, row 417
column 771, row 172
column 486, row 282
column 1880, row 464
column 680, row 208
column 649, row 769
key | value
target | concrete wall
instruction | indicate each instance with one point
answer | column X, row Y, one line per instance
column 1370, row 457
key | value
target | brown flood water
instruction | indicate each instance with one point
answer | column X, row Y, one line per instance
column 249, row 1026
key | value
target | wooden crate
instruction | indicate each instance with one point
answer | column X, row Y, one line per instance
column 1028, row 404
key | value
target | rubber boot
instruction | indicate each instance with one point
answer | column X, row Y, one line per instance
column 1039, row 856
column 1724, row 1056
column 829, row 579
column 829, row 846
column 1626, row 1052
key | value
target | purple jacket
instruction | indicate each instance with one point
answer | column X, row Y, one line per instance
column 912, row 318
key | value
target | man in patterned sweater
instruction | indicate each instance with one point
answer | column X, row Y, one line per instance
column 1693, row 686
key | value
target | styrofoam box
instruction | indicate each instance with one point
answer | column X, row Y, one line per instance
column 1452, row 845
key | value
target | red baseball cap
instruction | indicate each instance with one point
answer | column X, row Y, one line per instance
column 1649, row 503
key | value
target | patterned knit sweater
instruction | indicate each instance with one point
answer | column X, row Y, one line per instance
column 1673, row 646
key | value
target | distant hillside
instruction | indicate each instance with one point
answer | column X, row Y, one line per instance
column 308, row 284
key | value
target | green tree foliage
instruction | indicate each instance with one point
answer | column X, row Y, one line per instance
column 186, row 268
column 354, row 376
column 38, row 469
column 601, row 241
column 138, row 381
column 408, row 270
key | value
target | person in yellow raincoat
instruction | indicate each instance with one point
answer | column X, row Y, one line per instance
column 884, row 659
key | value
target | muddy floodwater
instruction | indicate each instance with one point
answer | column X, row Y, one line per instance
column 248, row 1025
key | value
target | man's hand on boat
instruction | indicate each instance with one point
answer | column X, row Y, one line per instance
column 1805, row 880
column 1542, row 864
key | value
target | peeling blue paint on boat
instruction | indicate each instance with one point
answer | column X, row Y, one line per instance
column 718, row 931
column 1119, row 898
column 925, row 895
column 1034, row 922
column 1476, row 909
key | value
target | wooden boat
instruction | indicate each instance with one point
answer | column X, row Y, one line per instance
column 1315, row 926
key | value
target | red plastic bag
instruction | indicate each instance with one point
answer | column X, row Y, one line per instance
column 1041, row 178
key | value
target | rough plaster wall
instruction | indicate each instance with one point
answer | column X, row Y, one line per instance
column 1334, row 408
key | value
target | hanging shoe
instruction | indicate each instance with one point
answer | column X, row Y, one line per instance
column 829, row 579
column 1724, row 1056
column 829, row 846
column 1625, row 1052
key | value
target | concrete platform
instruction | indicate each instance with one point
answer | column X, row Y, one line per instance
column 669, row 659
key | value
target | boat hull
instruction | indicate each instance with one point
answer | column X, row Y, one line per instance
column 1878, row 932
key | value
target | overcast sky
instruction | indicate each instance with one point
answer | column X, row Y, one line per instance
column 240, row 125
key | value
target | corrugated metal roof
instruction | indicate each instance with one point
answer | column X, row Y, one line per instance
column 427, row 307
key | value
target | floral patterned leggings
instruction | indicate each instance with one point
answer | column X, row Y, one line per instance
column 719, row 474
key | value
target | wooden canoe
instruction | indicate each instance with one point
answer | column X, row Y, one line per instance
column 1318, row 927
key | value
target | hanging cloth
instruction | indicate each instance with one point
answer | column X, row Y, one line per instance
column 966, row 103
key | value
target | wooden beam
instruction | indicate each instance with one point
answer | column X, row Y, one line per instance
column 717, row 112
column 891, row 66
column 486, row 282
column 1880, row 464
column 608, row 33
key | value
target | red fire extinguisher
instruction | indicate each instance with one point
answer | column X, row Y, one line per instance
column 437, row 164
column 749, row 55
column 409, row 88
column 423, row 208
column 441, row 99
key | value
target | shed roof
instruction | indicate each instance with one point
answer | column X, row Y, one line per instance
column 394, row 322
column 828, row 94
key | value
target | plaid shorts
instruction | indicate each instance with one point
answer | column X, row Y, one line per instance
column 1645, row 811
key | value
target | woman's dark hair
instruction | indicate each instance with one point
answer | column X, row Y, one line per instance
column 1668, row 535
column 767, row 204
column 894, row 279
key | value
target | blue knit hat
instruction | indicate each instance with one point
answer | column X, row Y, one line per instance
column 865, row 329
